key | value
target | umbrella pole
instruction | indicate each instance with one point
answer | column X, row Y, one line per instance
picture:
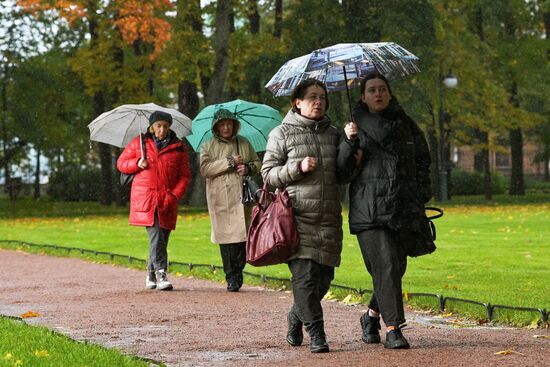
column 347, row 91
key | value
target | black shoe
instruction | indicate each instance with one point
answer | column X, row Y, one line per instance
column 319, row 345
column 233, row 287
column 370, row 326
column 396, row 340
column 295, row 335
column 316, row 331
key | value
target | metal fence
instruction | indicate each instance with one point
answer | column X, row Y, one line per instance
column 442, row 301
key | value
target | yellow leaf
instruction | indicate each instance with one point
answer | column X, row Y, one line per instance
column 178, row 274
column 406, row 296
column 41, row 353
column 29, row 314
column 508, row 352
column 8, row 356
column 329, row 296
column 347, row 300
column 542, row 336
column 18, row 363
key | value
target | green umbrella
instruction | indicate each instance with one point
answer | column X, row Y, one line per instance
column 257, row 120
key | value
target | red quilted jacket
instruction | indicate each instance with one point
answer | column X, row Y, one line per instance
column 159, row 187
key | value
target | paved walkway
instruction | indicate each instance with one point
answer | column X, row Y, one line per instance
column 200, row 324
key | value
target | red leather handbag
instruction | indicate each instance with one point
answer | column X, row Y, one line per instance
column 272, row 235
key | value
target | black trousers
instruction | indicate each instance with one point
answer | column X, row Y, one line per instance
column 158, row 244
column 386, row 262
column 310, row 283
column 234, row 260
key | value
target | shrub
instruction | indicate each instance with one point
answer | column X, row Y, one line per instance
column 471, row 183
column 75, row 184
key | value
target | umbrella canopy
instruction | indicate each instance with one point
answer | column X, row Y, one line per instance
column 120, row 125
column 344, row 65
column 257, row 120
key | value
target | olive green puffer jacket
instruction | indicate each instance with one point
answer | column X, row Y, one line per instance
column 314, row 194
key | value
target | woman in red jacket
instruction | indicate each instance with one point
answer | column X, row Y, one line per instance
column 160, row 181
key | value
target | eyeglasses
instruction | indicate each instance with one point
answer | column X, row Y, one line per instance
column 314, row 97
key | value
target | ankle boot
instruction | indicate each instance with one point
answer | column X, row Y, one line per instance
column 295, row 335
column 316, row 331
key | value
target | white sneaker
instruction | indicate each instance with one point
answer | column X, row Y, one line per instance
column 151, row 280
column 162, row 281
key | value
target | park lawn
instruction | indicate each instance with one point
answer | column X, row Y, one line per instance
column 494, row 253
column 25, row 345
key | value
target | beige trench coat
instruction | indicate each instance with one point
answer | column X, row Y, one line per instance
column 229, row 218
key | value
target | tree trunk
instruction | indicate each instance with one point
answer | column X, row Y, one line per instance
column 105, row 158
column 485, row 164
column 434, row 169
column 37, row 175
column 7, row 173
column 278, row 27
column 221, row 48
column 253, row 16
column 479, row 157
column 516, row 150
column 546, row 168
column 517, row 186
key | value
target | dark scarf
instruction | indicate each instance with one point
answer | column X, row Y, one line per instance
column 161, row 144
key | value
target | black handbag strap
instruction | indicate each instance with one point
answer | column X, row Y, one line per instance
column 434, row 209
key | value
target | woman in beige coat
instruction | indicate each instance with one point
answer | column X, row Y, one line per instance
column 224, row 160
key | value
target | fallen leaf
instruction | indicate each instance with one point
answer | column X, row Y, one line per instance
column 542, row 336
column 8, row 356
column 508, row 352
column 347, row 300
column 29, row 314
column 41, row 353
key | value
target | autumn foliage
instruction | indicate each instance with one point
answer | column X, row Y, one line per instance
column 135, row 20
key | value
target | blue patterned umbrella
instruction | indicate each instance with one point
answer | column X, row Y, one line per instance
column 343, row 65
column 256, row 119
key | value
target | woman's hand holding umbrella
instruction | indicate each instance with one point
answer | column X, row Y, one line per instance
column 351, row 130
column 142, row 163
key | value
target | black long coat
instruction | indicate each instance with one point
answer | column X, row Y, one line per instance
column 392, row 183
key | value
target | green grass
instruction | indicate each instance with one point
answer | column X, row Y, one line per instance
column 494, row 252
column 25, row 345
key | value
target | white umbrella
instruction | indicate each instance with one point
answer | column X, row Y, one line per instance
column 120, row 125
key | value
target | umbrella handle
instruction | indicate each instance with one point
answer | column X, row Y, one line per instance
column 347, row 91
column 142, row 146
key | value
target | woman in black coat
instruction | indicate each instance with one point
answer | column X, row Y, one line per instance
column 386, row 157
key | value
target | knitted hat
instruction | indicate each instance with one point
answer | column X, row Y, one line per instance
column 160, row 116
column 223, row 114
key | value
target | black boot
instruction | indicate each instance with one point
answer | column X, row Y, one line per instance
column 370, row 326
column 295, row 335
column 316, row 331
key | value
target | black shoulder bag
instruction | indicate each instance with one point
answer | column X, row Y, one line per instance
column 424, row 234
column 126, row 179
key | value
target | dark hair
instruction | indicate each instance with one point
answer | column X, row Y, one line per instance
column 374, row 75
column 300, row 91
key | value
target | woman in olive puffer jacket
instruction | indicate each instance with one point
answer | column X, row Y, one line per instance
column 301, row 157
